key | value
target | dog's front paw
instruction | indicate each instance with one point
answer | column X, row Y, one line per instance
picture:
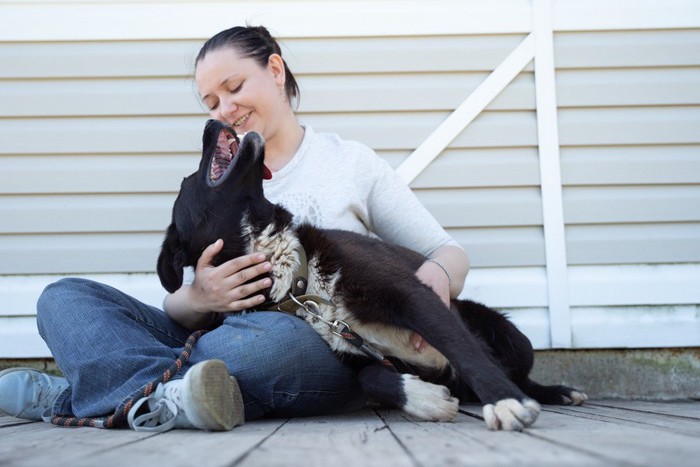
column 511, row 414
column 428, row 401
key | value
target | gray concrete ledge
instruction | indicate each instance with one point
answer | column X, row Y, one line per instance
column 646, row 374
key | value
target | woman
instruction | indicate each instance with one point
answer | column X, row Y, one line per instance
column 110, row 346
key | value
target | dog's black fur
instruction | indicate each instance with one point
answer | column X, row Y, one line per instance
column 374, row 286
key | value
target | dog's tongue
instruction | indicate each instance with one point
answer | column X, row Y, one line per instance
column 267, row 175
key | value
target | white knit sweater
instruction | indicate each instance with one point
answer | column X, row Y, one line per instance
column 337, row 184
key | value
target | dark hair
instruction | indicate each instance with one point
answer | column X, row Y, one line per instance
column 255, row 42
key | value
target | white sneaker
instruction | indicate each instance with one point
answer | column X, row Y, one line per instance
column 207, row 398
column 28, row 393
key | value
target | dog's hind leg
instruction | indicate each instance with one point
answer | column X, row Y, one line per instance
column 557, row 394
column 513, row 351
column 507, row 345
column 409, row 393
column 506, row 407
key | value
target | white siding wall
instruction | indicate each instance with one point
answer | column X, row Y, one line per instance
column 99, row 122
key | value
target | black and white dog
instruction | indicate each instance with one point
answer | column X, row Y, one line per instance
column 368, row 286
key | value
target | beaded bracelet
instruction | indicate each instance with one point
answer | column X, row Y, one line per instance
column 449, row 279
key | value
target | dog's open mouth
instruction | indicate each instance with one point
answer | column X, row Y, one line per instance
column 227, row 146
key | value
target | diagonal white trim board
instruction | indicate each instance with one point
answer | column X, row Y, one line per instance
column 468, row 110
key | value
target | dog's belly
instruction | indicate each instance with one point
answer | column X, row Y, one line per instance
column 391, row 341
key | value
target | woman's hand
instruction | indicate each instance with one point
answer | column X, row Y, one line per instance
column 224, row 288
column 218, row 289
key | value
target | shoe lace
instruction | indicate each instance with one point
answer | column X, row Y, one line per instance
column 164, row 406
column 45, row 396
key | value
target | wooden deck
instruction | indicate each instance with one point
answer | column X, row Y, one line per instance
column 605, row 433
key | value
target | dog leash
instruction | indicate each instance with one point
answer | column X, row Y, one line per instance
column 119, row 418
column 311, row 304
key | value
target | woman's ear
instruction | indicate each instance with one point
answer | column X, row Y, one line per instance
column 275, row 64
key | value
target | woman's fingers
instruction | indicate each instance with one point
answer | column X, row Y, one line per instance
column 209, row 253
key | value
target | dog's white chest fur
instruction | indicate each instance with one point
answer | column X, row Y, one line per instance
column 282, row 250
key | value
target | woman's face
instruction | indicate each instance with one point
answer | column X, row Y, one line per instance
column 240, row 92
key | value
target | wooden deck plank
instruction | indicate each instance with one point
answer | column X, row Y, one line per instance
column 621, row 416
column 620, row 442
column 184, row 448
column 466, row 441
column 39, row 443
column 685, row 408
column 606, row 433
column 360, row 438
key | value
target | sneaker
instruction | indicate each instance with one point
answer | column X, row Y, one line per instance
column 28, row 393
column 207, row 398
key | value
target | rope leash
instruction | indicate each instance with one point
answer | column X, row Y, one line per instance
column 311, row 306
column 118, row 418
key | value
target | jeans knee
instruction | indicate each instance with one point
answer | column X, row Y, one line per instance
column 54, row 299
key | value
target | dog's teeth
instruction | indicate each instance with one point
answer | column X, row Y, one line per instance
column 230, row 141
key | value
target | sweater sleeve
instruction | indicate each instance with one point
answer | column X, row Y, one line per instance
column 397, row 216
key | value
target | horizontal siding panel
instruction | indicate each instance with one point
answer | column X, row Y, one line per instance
column 501, row 247
column 99, row 97
column 183, row 134
column 132, row 59
column 407, row 131
column 118, row 173
column 388, row 92
column 650, row 125
column 484, row 207
column 157, row 173
column 80, row 253
column 633, row 243
column 353, row 93
column 86, row 213
column 19, row 338
column 634, row 285
column 481, row 167
column 399, row 55
column 628, row 87
column 177, row 96
column 630, row 165
column 101, row 135
column 645, row 327
column 139, row 213
column 621, row 49
column 622, row 204
column 329, row 55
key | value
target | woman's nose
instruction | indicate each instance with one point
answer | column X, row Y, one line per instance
column 227, row 110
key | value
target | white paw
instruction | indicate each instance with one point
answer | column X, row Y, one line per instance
column 575, row 398
column 511, row 415
column 428, row 401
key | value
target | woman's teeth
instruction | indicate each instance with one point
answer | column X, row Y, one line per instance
column 241, row 120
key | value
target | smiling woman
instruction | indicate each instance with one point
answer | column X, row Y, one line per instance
column 282, row 366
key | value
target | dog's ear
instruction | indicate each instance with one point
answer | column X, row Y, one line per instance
column 171, row 260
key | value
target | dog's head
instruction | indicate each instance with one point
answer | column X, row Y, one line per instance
column 226, row 188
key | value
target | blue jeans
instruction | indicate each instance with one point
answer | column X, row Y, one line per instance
column 110, row 345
